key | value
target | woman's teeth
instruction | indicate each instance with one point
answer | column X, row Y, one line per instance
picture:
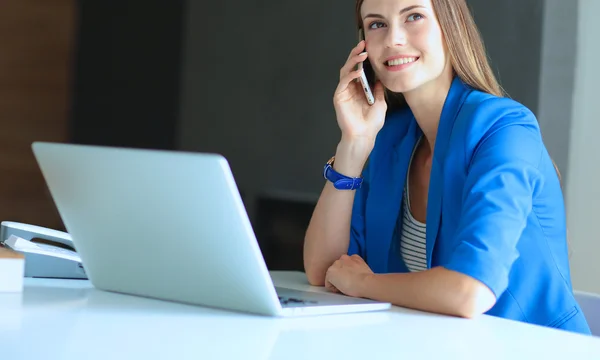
column 401, row 61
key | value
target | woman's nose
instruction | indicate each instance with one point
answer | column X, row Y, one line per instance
column 396, row 36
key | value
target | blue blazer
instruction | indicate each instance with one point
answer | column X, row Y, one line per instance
column 495, row 208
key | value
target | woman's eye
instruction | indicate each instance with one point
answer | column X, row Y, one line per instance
column 376, row 25
column 414, row 17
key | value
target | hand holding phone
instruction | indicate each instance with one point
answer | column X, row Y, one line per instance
column 360, row 108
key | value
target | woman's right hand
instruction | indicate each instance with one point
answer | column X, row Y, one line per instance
column 356, row 118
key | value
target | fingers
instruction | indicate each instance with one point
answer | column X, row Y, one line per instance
column 351, row 64
column 347, row 80
column 378, row 92
column 355, row 74
column 350, row 257
column 360, row 47
column 328, row 285
column 331, row 288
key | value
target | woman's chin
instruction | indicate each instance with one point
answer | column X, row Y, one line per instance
column 398, row 86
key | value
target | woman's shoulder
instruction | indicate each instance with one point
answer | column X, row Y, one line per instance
column 501, row 122
column 482, row 115
column 485, row 110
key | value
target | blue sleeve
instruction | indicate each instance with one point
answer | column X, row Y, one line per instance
column 501, row 182
column 357, row 221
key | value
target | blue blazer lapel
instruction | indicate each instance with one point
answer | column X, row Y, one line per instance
column 385, row 198
column 456, row 97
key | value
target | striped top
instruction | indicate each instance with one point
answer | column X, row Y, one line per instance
column 412, row 239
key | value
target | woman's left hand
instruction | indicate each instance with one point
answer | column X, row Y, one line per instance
column 347, row 275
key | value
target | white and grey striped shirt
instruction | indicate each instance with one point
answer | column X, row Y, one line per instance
column 412, row 239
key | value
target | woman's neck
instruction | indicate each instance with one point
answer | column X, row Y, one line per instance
column 426, row 104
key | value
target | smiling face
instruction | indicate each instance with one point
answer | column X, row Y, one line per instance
column 405, row 44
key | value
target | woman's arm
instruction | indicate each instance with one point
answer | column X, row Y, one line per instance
column 436, row 290
column 502, row 181
column 328, row 233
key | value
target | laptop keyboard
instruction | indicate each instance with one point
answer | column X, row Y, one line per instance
column 294, row 301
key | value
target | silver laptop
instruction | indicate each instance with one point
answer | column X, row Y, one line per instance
column 170, row 225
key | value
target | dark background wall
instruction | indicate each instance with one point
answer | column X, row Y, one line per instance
column 258, row 83
column 248, row 79
column 254, row 81
column 126, row 73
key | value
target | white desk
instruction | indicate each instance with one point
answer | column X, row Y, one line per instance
column 69, row 319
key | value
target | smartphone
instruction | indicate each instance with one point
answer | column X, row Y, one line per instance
column 367, row 78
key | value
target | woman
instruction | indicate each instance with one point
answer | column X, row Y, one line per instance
column 459, row 210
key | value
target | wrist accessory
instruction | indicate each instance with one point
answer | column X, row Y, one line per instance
column 340, row 182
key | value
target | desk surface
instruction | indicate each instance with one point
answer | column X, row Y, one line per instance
column 69, row 319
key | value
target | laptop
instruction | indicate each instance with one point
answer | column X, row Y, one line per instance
column 170, row 225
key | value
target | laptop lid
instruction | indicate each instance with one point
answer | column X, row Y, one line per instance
column 162, row 224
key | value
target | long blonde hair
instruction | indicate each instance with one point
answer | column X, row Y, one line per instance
column 466, row 51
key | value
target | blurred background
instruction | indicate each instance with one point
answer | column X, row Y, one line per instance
column 253, row 80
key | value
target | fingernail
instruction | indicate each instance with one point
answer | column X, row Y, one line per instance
column 362, row 53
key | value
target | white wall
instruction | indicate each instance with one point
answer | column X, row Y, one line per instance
column 583, row 187
column 557, row 78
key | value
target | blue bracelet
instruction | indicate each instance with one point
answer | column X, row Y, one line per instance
column 340, row 182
